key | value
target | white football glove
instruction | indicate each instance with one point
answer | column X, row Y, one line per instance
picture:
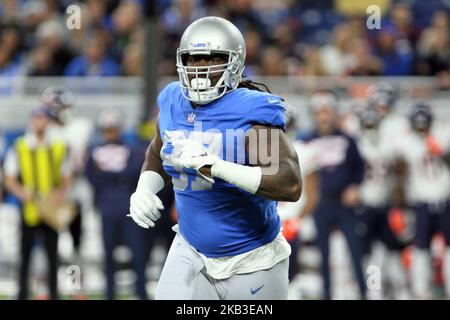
column 194, row 155
column 144, row 203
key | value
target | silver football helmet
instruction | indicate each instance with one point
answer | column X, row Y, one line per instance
column 206, row 36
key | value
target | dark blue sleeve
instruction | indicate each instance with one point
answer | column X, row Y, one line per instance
column 355, row 161
column 268, row 110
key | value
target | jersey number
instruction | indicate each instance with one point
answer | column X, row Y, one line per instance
column 185, row 181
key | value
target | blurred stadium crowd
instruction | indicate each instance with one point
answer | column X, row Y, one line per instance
column 284, row 38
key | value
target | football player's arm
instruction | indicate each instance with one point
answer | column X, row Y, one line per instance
column 270, row 149
column 274, row 172
column 145, row 205
column 153, row 161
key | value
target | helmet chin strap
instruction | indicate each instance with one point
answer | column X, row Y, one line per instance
column 201, row 91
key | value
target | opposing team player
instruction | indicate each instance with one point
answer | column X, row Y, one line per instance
column 382, row 97
column 375, row 195
column 425, row 176
column 221, row 141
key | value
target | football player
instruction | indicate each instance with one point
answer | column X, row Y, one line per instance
column 425, row 176
column 376, row 197
column 215, row 131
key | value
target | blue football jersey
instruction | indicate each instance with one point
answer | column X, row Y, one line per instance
column 218, row 219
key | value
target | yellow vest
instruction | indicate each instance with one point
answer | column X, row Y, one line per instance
column 40, row 171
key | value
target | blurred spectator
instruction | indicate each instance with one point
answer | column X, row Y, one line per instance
column 173, row 22
column 42, row 63
column 52, row 35
column 357, row 26
column 8, row 67
column 270, row 14
column 99, row 18
column 253, row 46
column 11, row 41
column 77, row 37
column 438, row 57
column 31, row 15
column 312, row 64
column 125, row 20
column 265, row 24
column 433, row 46
column 402, row 23
column 284, row 39
column 132, row 60
column 336, row 55
column 51, row 10
column 396, row 56
column 272, row 62
column 9, row 10
column 243, row 16
column 363, row 63
column 181, row 13
column 10, row 70
column 94, row 61
column 439, row 22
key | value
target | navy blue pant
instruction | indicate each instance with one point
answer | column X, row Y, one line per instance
column 430, row 219
column 376, row 221
column 118, row 229
column 50, row 241
column 330, row 214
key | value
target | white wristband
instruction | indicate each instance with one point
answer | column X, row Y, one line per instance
column 150, row 181
column 244, row 177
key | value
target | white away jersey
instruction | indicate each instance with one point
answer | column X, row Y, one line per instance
column 428, row 174
column 377, row 186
